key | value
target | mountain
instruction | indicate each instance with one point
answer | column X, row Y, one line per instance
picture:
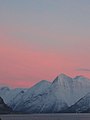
column 82, row 106
column 38, row 99
column 70, row 89
column 11, row 96
column 48, row 97
column 20, row 96
column 4, row 109
column 62, row 88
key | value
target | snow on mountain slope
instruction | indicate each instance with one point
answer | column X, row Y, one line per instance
column 17, row 97
column 70, row 89
column 83, row 105
column 11, row 96
column 45, row 96
column 32, row 94
column 42, row 98
column 37, row 89
column 3, row 91
column 81, row 87
column 62, row 87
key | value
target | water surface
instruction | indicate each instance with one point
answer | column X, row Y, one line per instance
column 76, row 116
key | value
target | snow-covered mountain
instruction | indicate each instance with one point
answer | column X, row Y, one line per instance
column 70, row 89
column 46, row 97
column 56, row 96
column 11, row 96
column 82, row 106
column 37, row 99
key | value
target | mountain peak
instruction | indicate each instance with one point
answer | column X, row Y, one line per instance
column 62, row 79
column 43, row 82
column 62, row 75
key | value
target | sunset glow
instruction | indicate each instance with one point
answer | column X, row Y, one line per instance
column 39, row 40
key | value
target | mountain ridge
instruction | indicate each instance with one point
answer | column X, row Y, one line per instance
column 48, row 97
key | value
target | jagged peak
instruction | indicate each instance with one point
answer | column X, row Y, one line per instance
column 62, row 79
column 62, row 75
column 41, row 83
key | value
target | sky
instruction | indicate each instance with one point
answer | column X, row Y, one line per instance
column 39, row 39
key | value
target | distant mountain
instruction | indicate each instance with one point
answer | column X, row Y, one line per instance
column 82, row 106
column 37, row 99
column 48, row 97
column 4, row 109
column 9, row 95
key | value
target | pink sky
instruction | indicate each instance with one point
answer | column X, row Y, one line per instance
column 41, row 39
column 23, row 67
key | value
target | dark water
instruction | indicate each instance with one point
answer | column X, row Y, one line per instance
column 46, row 117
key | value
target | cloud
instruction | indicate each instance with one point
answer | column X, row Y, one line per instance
column 83, row 69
